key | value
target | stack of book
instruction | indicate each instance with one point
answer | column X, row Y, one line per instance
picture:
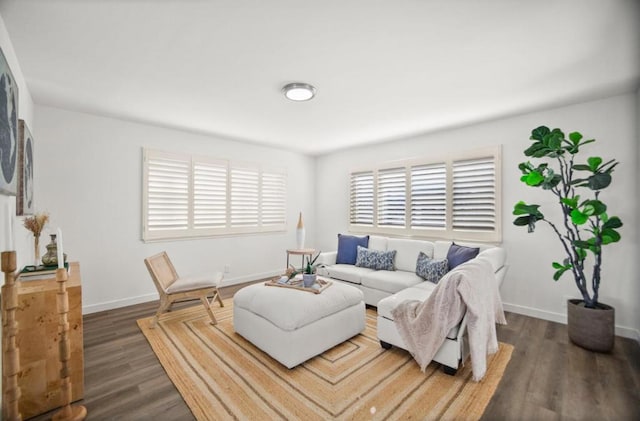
column 33, row 272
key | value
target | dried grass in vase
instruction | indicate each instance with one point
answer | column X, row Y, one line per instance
column 36, row 224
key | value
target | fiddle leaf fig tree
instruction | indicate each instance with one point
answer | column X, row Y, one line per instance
column 585, row 227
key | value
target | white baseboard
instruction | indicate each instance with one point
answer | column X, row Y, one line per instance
column 110, row 305
column 537, row 313
column 623, row 331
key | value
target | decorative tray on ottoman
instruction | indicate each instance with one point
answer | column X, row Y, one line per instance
column 318, row 286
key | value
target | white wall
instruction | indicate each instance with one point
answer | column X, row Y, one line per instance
column 636, row 291
column 89, row 177
column 25, row 112
column 528, row 288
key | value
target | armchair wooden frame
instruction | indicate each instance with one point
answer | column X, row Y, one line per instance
column 164, row 275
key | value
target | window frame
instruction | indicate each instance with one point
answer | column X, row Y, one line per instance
column 448, row 232
column 190, row 229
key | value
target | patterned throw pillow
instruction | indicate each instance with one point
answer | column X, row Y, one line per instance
column 429, row 269
column 375, row 259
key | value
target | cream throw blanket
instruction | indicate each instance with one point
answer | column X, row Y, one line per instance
column 424, row 325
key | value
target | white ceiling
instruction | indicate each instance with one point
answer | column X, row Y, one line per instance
column 383, row 69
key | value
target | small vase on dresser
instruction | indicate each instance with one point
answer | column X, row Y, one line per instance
column 36, row 249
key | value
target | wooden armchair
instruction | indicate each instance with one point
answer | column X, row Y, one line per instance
column 172, row 288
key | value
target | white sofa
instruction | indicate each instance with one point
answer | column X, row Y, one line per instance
column 386, row 289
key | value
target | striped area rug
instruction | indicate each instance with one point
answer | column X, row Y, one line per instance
column 220, row 375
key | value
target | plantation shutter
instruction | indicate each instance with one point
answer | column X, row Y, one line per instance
column 361, row 199
column 209, row 194
column 274, row 194
column 185, row 196
column 428, row 196
column 454, row 196
column 474, row 194
column 245, row 196
column 167, row 192
column 392, row 197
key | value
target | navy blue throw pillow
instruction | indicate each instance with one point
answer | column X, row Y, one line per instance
column 457, row 255
column 348, row 248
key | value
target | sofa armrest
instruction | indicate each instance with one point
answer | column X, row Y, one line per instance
column 327, row 258
column 463, row 326
column 500, row 275
column 496, row 256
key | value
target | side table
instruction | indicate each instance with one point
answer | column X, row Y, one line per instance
column 300, row 252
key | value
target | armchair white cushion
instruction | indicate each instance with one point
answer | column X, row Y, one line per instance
column 190, row 283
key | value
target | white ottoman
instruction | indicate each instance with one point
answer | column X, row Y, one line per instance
column 293, row 326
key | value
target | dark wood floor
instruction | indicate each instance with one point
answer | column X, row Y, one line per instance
column 547, row 377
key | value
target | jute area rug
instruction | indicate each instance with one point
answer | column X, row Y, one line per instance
column 220, row 375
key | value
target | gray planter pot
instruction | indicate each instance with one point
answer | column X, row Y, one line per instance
column 308, row 280
column 591, row 328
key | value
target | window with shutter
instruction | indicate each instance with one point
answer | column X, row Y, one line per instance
column 429, row 196
column 167, row 194
column 392, row 197
column 451, row 197
column 361, row 199
column 186, row 196
column 209, row 194
column 274, row 207
column 245, row 195
column 474, row 195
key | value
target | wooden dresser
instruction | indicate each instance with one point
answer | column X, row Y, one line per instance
column 38, row 338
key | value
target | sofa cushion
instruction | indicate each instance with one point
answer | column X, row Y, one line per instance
column 377, row 242
column 349, row 273
column 388, row 281
column 427, row 286
column 430, row 269
column 407, row 252
column 347, row 248
column 458, row 254
column 419, row 292
column 386, row 305
column 375, row 259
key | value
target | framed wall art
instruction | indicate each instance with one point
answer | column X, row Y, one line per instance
column 8, row 129
column 24, row 202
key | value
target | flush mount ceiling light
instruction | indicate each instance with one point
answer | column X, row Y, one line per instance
column 298, row 91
